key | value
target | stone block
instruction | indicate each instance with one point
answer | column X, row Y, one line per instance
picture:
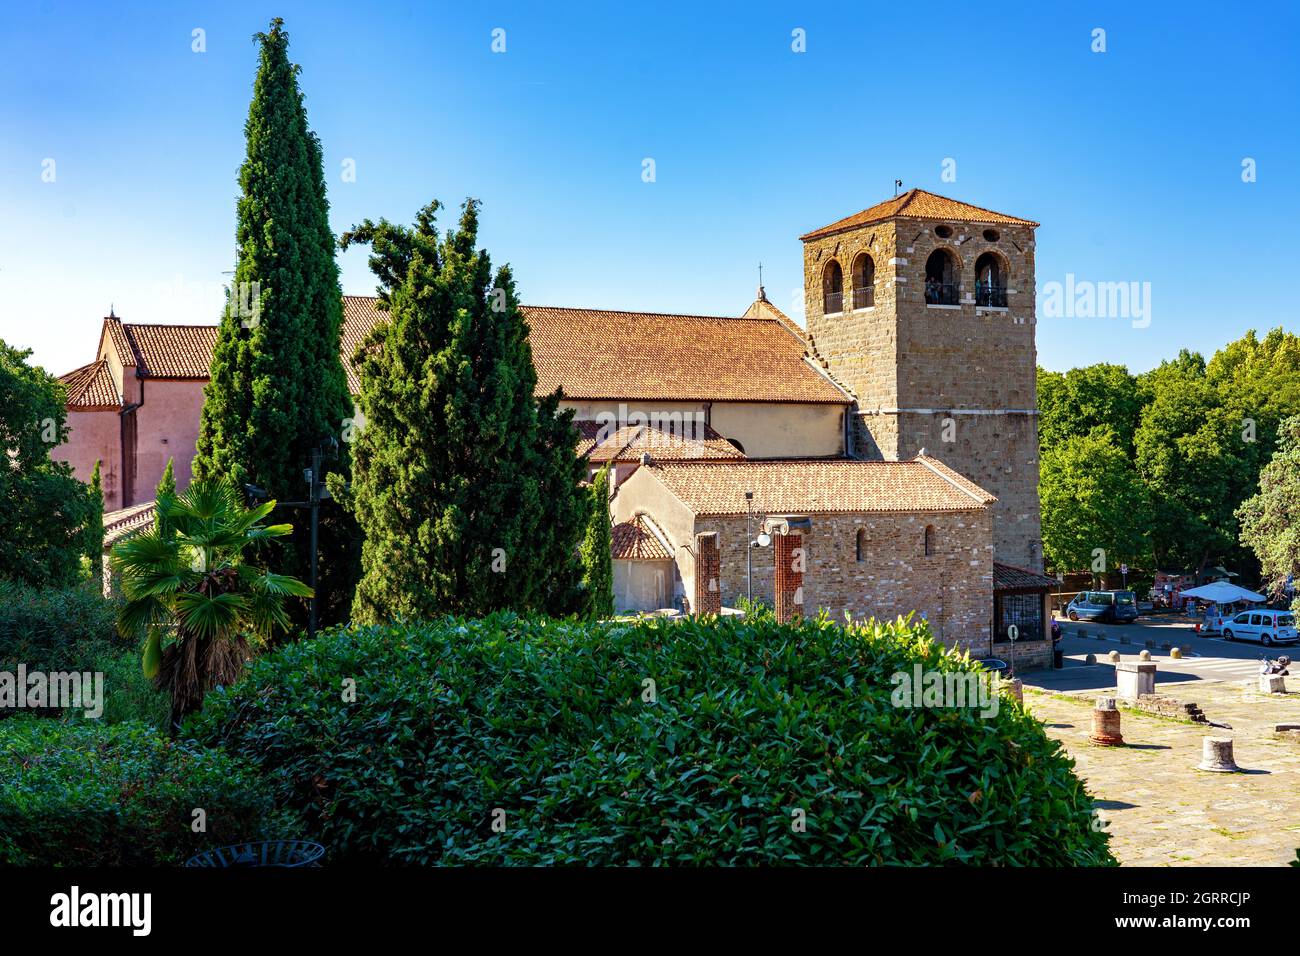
column 1272, row 684
column 1133, row 679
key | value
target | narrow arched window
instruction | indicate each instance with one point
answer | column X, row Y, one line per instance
column 990, row 281
column 860, row 541
column 929, row 540
column 942, row 275
column 832, row 288
column 864, row 282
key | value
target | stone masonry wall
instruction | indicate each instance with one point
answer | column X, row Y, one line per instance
column 953, row 587
column 958, row 381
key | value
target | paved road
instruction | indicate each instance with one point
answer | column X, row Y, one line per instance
column 1212, row 658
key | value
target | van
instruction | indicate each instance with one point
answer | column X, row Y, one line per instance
column 1109, row 607
column 1263, row 625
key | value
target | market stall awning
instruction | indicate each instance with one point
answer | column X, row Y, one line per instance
column 1223, row 592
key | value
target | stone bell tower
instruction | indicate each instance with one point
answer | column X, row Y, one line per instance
column 923, row 308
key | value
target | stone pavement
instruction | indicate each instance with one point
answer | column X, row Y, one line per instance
column 1160, row 810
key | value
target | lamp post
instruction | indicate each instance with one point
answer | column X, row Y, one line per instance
column 316, row 493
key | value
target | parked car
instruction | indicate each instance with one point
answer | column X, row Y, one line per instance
column 1109, row 607
column 1264, row 625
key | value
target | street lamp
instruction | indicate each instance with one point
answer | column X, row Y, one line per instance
column 316, row 493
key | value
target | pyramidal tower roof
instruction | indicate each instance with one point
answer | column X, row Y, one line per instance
column 919, row 204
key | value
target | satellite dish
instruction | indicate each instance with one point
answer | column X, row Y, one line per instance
column 763, row 539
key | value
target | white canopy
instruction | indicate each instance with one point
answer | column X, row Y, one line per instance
column 1222, row 592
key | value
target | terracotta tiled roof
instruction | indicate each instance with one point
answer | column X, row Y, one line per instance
column 596, row 354
column 1008, row 577
column 172, row 351
column 919, row 204
column 638, row 539
column 116, row 340
column 961, row 481
column 92, row 386
column 761, row 308
column 814, row 486
column 663, row 444
column 359, row 316
column 118, row 524
column 592, row 354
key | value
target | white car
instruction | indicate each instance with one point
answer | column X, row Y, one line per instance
column 1267, row 627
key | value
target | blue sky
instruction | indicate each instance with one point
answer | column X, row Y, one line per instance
column 1131, row 158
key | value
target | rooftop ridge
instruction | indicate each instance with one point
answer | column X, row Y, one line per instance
column 656, row 315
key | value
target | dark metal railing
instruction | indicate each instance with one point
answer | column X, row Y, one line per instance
column 994, row 296
column 940, row 293
column 832, row 302
column 864, row 297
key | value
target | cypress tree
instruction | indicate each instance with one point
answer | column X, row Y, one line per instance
column 166, row 489
column 95, row 527
column 597, row 560
column 278, row 387
column 468, row 489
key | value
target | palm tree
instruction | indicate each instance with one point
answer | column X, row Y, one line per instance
column 190, row 577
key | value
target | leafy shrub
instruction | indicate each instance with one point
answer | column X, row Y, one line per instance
column 74, row 629
column 86, row 794
column 128, row 694
column 55, row 628
column 546, row 720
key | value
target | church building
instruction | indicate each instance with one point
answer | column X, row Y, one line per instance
column 881, row 460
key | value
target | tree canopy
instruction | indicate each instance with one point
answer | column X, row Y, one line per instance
column 1191, row 435
column 468, row 488
column 1268, row 518
column 278, row 386
column 48, row 519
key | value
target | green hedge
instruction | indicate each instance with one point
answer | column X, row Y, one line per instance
column 75, row 629
column 546, row 721
column 87, row 794
column 55, row 629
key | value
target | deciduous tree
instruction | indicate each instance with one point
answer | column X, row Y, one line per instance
column 47, row 519
column 1095, row 508
column 1270, row 519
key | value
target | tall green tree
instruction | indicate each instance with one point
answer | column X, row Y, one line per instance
column 1198, row 433
column 278, row 386
column 1192, row 458
column 1269, row 525
column 467, row 488
column 47, row 515
column 165, row 491
column 94, row 534
column 597, row 560
column 1094, row 506
column 1073, row 403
